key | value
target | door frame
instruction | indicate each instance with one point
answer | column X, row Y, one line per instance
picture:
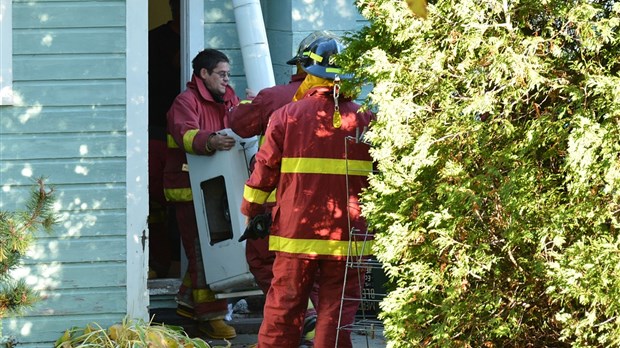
column 192, row 35
column 136, row 161
column 192, row 41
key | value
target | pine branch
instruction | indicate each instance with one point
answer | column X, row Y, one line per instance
column 17, row 233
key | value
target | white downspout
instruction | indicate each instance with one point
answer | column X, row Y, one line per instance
column 254, row 45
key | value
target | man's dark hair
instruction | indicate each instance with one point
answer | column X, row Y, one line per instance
column 208, row 59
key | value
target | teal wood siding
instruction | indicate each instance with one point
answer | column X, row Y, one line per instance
column 289, row 22
column 220, row 31
column 68, row 125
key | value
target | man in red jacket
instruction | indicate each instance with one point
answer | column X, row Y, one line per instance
column 318, row 180
column 195, row 121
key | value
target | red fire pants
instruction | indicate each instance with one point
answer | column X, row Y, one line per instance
column 196, row 293
column 287, row 300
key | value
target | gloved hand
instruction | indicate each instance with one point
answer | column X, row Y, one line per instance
column 258, row 227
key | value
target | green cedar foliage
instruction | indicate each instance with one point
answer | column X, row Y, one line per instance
column 17, row 233
column 497, row 197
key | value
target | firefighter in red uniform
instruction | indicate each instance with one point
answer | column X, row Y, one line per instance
column 195, row 121
column 318, row 180
column 250, row 119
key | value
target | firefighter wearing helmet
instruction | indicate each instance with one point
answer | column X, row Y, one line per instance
column 312, row 157
column 320, row 56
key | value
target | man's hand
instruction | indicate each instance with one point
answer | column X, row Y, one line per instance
column 249, row 94
column 257, row 227
column 221, row 142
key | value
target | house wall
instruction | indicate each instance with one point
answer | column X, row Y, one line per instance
column 68, row 125
column 77, row 122
column 286, row 23
column 289, row 22
column 220, row 32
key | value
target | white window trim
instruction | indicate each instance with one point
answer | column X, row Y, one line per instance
column 6, row 52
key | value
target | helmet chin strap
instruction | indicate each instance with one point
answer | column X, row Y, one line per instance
column 337, row 118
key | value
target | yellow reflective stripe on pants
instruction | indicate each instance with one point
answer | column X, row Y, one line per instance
column 172, row 144
column 325, row 166
column 178, row 194
column 203, row 295
column 320, row 247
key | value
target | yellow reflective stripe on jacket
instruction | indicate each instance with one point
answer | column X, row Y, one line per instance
column 172, row 144
column 320, row 247
column 325, row 166
column 188, row 140
column 272, row 197
column 253, row 195
column 178, row 194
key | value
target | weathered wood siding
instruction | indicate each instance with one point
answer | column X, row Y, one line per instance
column 286, row 23
column 68, row 125
column 220, row 32
column 289, row 22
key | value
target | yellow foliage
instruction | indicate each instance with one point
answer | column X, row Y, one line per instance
column 115, row 331
column 418, row 7
column 66, row 336
column 128, row 334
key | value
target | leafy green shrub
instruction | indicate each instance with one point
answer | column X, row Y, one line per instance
column 497, row 139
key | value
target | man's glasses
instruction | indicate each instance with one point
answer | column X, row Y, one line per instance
column 222, row 74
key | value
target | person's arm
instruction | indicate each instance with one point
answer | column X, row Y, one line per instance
column 266, row 174
column 184, row 127
column 246, row 118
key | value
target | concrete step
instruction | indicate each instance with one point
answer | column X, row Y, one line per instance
column 364, row 334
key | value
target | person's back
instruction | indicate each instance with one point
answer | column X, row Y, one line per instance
column 313, row 156
column 313, row 146
column 251, row 119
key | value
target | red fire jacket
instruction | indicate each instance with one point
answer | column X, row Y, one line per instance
column 318, row 178
column 193, row 116
column 250, row 119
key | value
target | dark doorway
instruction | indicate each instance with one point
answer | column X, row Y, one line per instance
column 164, row 85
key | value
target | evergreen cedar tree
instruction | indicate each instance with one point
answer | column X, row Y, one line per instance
column 496, row 201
